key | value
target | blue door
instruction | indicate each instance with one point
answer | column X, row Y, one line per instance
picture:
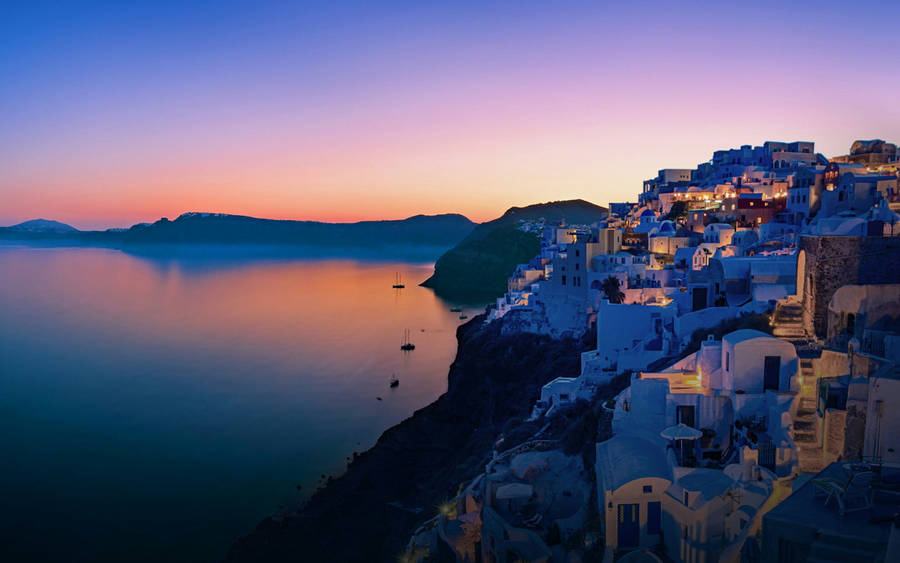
column 771, row 369
column 629, row 525
column 654, row 517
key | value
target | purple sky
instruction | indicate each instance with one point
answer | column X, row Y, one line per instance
column 116, row 114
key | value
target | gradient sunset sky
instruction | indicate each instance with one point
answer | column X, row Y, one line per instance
column 115, row 113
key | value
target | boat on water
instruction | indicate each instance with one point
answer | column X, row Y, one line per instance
column 406, row 345
column 455, row 310
column 394, row 381
column 463, row 316
column 398, row 282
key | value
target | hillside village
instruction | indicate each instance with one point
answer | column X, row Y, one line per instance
column 746, row 373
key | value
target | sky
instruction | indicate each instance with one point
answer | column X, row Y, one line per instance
column 113, row 113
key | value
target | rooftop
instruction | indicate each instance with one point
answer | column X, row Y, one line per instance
column 803, row 508
column 623, row 458
column 708, row 483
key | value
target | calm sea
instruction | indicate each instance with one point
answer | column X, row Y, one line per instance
column 156, row 409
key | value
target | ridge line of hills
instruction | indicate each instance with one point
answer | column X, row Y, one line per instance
column 219, row 228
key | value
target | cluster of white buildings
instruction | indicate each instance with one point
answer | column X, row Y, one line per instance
column 712, row 434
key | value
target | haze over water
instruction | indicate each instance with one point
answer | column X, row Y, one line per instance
column 157, row 409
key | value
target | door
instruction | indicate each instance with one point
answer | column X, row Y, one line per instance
column 766, row 455
column 771, row 371
column 684, row 414
column 654, row 517
column 629, row 525
column 699, row 298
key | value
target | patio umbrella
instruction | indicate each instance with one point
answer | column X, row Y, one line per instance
column 681, row 433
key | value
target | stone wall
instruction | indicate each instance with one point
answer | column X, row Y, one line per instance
column 835, row 434
column 835, row 261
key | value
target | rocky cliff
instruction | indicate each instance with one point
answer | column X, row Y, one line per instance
column 368, row 513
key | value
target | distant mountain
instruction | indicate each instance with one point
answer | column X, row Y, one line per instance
column 435, row 233
column 217, row 228
column 43, row 226
column 477, row 268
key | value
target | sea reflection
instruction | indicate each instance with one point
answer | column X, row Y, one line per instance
column 156, row 407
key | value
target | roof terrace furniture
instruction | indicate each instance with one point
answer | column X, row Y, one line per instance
column 857, row 490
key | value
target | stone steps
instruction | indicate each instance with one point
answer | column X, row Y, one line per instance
column 789, row 330
column 788, row 323
column 800, row 425
column 809, row 459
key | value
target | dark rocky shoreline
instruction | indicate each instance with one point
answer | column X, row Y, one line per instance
column 368, row 513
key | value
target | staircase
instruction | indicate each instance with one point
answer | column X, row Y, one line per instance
column 832, row 548
column 810, row 457
column 788, row 322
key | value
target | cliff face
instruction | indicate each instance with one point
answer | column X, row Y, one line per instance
column 368, row 513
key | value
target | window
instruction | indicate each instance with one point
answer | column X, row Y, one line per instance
column 648, row 489
column 577, row 252
column 563, row 280
column 577, row 266
column 727, row 358
column 687, row 498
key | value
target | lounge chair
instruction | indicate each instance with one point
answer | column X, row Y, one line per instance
column 856, row 490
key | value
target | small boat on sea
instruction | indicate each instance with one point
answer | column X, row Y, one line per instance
column 455, row 310
column 394, row 381
column 463, row 316
column 406, row 345
column 398, row 282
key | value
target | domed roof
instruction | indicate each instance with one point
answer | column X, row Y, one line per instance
column 648, row 213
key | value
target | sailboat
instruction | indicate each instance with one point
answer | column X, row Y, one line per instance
column 398, row 282
column 407, row 345
column 394, row 381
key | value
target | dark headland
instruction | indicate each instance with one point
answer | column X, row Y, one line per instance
column 477, row 268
